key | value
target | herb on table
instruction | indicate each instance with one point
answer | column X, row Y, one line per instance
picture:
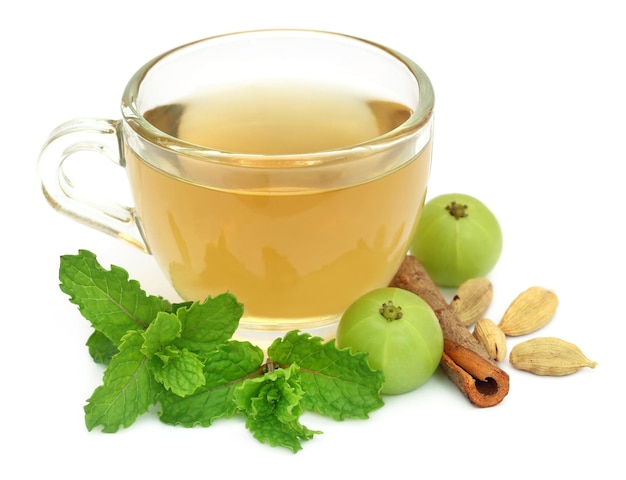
column 182, row 357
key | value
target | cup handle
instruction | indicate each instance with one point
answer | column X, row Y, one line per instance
column 66, row 196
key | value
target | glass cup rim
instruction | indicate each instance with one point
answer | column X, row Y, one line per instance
column 420, row 117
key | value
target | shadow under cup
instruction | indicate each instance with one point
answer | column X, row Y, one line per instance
column 288, row 168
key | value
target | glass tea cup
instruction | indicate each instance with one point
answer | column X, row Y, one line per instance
column 287, row 167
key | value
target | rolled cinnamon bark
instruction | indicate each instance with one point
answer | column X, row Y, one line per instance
column 464, row 359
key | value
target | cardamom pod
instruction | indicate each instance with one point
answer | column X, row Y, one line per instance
column 549, row 356
column 472, row 299
column 492, row 338
column 531, row 310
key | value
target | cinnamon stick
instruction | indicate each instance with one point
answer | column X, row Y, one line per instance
column 464, row 360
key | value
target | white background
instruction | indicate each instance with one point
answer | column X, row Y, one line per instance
column 530, row 118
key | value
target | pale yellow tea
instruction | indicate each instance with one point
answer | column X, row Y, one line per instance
column 296, row 248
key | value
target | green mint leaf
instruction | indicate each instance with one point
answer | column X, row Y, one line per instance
column 107, row 298
column 233, row 362
column 127, row 391
column 173, row 307
column 337, row 383
column 276, row 393
column 101, row 348
column 226, row 366
column 205, row 325
column 163, row 330
column 271, row 403
column 271, row 430
column 180, row 371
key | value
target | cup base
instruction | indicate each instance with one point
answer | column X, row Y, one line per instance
column 262, row 334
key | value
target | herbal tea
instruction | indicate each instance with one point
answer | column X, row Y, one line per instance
column 296, row 247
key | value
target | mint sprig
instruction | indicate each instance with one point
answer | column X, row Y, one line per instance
column 183, row 358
